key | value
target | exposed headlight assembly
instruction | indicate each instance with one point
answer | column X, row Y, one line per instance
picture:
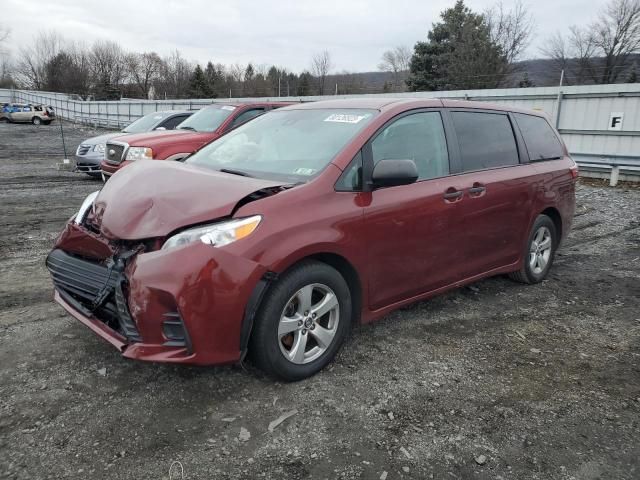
column 84, row 208
column 139, row 153
column 99, row 147
column 216, row 234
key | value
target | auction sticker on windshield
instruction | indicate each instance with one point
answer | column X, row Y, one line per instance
column 345, row 118
column 227, row 107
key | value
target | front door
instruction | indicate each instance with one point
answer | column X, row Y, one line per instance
column 408, row 241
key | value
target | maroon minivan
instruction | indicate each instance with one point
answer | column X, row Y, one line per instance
column 276, row 238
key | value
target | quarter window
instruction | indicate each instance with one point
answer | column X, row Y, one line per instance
column 486, row 140
column 541, row 142
column 419, row 137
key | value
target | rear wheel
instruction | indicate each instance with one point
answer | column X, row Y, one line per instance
column 302, row 322
column 539, row 252
column 36, row 120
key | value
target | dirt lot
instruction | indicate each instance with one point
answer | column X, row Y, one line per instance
column 497, row 380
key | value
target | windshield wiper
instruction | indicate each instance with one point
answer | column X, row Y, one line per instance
column 186, row 127
column 235, row 172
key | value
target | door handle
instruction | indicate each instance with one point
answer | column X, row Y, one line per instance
column 477, row 189
column 453, row 195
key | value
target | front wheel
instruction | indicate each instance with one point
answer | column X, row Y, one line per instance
column 302, row 323
column 539, row 251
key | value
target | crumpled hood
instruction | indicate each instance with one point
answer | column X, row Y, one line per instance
column 152, row 199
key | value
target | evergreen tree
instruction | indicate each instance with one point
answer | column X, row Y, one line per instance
column 198, row 87
column 213, row 79
column 525, row 82
column 633, row 77
column 304, row 84
column 459, row 54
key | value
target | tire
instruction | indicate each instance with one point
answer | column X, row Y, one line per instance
column 287, row 342
column 36, row 120
column 4, row 120
column 537, row 259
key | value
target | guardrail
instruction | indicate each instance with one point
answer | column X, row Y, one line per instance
column 615, row 167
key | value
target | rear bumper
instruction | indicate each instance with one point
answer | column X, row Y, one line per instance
column 197, row 288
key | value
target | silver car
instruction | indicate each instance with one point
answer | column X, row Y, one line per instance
column 90, row 153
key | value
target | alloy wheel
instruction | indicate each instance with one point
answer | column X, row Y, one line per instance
column 540, row 250
column 308, row 323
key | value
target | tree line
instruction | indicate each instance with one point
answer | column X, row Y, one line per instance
column 463, row 50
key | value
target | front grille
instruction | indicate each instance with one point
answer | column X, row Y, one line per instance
column 83, row 149
column 97, row 290
column 114, row 152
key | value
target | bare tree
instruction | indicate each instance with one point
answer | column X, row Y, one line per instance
column 173, row 80
column 321, row 64
column 600, row 52
column 4, row 35
column 108, row 67
column 396, row 61
column 143, row 69
column 616, row 36
column 511, row 30
column 33, row 59
column 5, row 60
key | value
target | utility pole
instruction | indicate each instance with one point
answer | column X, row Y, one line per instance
column 559, row 100
column 279, row 78
column 336, row 88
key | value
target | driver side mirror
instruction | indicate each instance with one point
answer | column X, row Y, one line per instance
column 391, row 173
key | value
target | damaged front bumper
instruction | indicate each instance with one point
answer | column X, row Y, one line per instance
column 181, row 305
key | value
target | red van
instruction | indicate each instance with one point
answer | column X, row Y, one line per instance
column 202, row 127
column 276, row 238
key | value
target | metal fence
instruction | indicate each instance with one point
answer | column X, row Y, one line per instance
column 599, row 123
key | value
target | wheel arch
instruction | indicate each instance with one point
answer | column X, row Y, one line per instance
column 334, row 260
column 556, row 218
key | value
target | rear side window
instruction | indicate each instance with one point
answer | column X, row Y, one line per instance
column 246, row 116
column 173, row 122
column 541, row 141
column 486, row 140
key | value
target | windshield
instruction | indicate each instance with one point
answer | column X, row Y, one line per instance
column 285, row 144
column 144, row 124
column 208, row 119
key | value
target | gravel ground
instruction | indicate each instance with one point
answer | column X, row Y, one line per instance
column 496, row 380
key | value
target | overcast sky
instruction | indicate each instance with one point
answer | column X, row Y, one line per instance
column 284, row 33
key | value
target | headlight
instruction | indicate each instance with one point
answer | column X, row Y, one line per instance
column 139, row 153
column 99, row 148
column 84, row 208
column 216, row 234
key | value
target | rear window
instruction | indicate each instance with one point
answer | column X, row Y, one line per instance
column 486, row 140
column 541, row 141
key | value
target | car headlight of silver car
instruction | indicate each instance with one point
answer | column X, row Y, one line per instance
column 216, row 234
column 99, row 147
column 84, row 208
column 139, row 153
